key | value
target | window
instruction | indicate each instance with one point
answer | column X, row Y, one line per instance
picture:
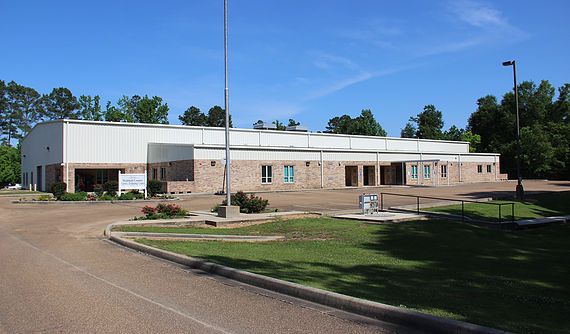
column 288, row 174
column 414, row 172
column 266, row 174
column 443, row 170
column 489, row 169
column 162, row 173
column 154, row 173
column 479, row 169
column 102, row 176
column 427, row 171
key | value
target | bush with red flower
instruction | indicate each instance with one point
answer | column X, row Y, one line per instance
column 163, row 211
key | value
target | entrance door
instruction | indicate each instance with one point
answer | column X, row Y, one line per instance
column 369, row 173
column 351, row 176
column 39, row 177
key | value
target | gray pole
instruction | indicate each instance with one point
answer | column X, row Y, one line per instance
column 520, row 189
column 226, row 94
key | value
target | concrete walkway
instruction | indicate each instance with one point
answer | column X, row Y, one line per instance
column 383, row 217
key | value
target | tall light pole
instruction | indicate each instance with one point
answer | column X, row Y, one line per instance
column 520, row 188
column 227, row 107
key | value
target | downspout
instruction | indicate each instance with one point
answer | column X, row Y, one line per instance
column 459, row 165
column 322, row 171
column 421, row 168
column 65, row 153
column 377, row 168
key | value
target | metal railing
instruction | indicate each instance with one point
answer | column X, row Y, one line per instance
column 500, row 218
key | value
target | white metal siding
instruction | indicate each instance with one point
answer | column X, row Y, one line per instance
column 35, row 149
column 349, row 156
column 169, row 152
column 477, row 158
column 92, row 142
column 277, row 155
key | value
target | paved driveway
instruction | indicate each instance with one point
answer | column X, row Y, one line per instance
column 347, row 199
column 59, row 275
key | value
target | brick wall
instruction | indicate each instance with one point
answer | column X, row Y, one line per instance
column 207, row 176
column 125, row 168
column 53, row 174
column 469, row 173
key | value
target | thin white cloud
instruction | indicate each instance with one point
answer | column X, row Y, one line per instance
column 378, row 33
column 477, row 14
column 326, row 61
column 450, row 47
column 353, row 80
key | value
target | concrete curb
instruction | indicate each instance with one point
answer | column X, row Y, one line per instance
column 359, row 306
column 197, row 237
column 97, row 202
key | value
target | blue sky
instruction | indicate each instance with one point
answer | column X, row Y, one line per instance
column 310, row 60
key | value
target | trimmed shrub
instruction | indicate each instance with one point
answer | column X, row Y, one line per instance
column 154, row 187
column 132, row 195
column 45, row 198
column 248, row 203
column 215, row 208
column 111, row 187
column 106, row 197
column 58, row 189
column 98, row 190
column 79, row 196
column 148, row 211
column 171, row 210
column 163, row 211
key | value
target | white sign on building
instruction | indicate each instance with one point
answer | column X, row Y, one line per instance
column 132, row 182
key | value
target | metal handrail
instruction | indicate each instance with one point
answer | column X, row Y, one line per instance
column 462, row 201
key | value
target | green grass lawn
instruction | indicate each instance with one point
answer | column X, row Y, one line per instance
column 517, row 281
column 540, row 205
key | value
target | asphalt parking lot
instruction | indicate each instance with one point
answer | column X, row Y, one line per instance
column 59, row 275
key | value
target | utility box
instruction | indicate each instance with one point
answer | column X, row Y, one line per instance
column 368, row 203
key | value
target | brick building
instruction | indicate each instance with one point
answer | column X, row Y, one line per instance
column 191, row 159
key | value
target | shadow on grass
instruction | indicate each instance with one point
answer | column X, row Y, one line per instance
column 534, row 206
column 514, row 281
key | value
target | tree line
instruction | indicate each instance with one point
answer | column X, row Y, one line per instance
column 491, row 128
column 22, row 107
column 544, row 121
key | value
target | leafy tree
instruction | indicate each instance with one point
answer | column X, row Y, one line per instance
column 60, row 104
column 366, row 125
column 113, row 114
column 90, row 108
column 193, row 116
column 409, row 131
column 127, row 106
column 339, row 124
column 140, row 110
column 279, row 125
column 473, row 139
column 217, row 117
column 537, row 152
column 9, row 165
column 454, row 133
column 26, row 104
column 151, row 110
column 429, row 123
column 292, row 122
column 7, row 126
column 545, row 133
column 560, row 111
